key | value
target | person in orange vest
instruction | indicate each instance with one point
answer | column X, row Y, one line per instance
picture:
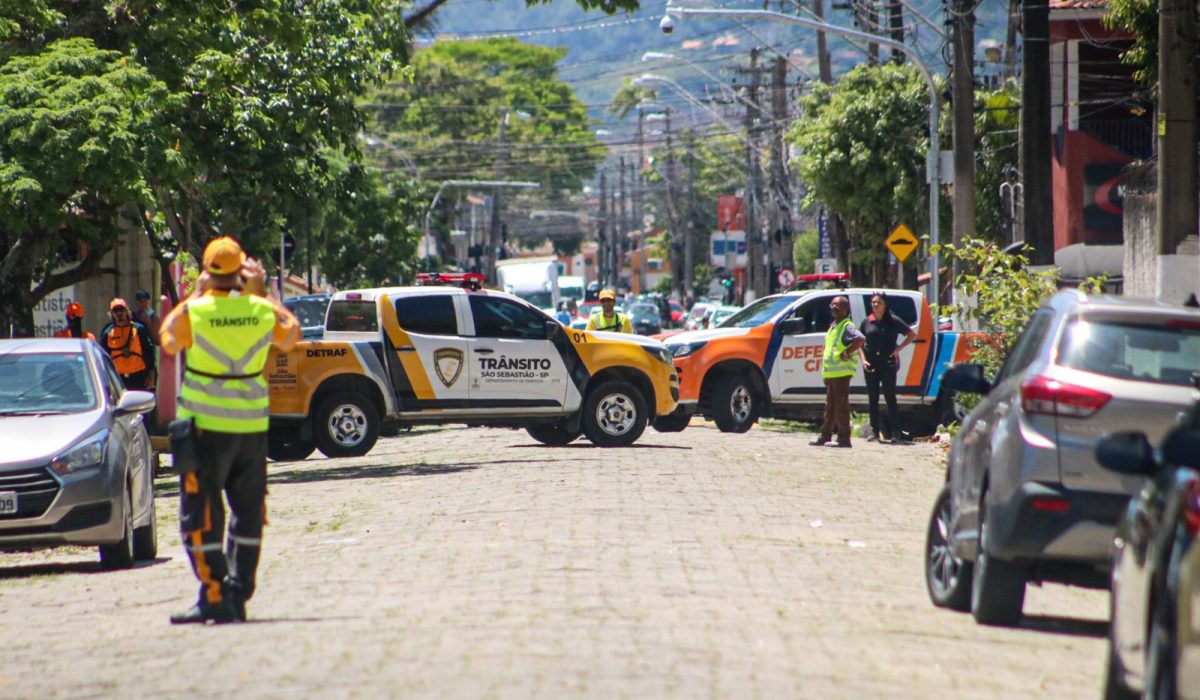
column 129, row 345
column 74, row 327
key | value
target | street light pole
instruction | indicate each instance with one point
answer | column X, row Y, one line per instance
column 931, row 158
column 427, row 233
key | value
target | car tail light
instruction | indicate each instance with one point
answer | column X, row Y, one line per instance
column 1054, row 398
column 1052, row 505
column 1190, row 509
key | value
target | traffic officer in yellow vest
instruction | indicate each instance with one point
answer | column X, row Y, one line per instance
column 839, row 363
column 608, row 319
column 220, row 438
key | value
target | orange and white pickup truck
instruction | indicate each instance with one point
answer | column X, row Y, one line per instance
column 765, row 361
column 451, row 352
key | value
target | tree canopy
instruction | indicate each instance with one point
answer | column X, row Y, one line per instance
column 863, row 142
column 187, row 119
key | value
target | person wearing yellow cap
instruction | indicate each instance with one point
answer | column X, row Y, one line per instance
column 74, row 327
column 220, row 438
column 608, row 319
column 130, row 346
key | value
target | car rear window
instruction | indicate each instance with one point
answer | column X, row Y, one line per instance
column 346, row 315
column 1166, row 353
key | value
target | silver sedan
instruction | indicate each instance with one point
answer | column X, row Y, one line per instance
column 76, row 467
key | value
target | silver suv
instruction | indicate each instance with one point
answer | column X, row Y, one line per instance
column 1025, row 499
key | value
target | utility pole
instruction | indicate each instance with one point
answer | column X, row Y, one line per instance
column 689, row 227
column 674, row 249
column 602, row 240
column 1010, row 39
column 896, row 25
column 963, row 28
column 1038, row 212
column 1177, row 206
column 622, row 223
column 780, row 184
column 754, row 238
column 614, row 238
column 824, row 69
column 494, row 223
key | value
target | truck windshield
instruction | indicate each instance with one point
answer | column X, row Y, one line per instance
column 758, row 312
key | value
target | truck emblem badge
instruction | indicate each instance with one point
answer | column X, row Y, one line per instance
column 448, row 363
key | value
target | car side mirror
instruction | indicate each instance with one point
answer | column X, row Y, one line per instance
column 552, row 327
column 1182, row 447
column 793, row 326
column 135, row 402
column 967, row 378
column 1127, row 452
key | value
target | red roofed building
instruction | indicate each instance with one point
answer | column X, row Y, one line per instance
column 1100, row 118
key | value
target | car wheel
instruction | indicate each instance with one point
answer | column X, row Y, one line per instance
column 998, row 587
column 551, row 434
column 672, row 423
column 346, row 425
column 119, row 555
column 286, row 445
column 735, row 404
column 145, row 538
column 614, row 414
column 947, row 578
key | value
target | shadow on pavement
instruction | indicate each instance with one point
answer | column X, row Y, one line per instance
column 72, row 567
column 1072, row 626
column 366, row 472
column 585, row 445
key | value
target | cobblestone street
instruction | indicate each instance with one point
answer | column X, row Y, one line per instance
column 475, row 563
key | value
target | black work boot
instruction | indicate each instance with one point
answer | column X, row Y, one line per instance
column 201, row 613
column 237, row 599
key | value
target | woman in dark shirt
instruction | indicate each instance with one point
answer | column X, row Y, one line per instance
column 881, row 359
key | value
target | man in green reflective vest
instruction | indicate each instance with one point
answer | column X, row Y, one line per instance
column 227, row 327
column 839, row 363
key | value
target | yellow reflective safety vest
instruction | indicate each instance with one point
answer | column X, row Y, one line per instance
column 223, row 384
column 832, row 364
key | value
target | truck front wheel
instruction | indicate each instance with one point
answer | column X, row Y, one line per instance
column 735, row 403
column 614, row 414
column 346, row 425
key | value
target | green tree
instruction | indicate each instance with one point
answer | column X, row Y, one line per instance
column 1140, row 18
column 185, row 119
column 997, row 123
column 862, row 145
column 804, row 251
column 447, row 120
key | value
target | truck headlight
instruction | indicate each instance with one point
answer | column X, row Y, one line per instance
column 685, row 349
column 85, row 455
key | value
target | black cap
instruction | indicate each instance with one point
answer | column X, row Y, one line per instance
column 141, row 294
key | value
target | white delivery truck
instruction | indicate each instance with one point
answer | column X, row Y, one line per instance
column 533, row 279
column 571, row 287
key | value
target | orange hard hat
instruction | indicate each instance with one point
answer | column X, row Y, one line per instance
column 75, row 310
column 223, row 256
column 117, row 303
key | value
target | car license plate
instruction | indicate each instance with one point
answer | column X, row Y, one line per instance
column 8, row 503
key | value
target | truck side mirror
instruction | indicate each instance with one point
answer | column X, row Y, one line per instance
column 1127, row 453
column 793, row 326
column 967, row 378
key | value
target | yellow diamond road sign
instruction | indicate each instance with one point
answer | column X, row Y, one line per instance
column 902, row 242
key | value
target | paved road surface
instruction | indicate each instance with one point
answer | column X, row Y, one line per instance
column 474, row 563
